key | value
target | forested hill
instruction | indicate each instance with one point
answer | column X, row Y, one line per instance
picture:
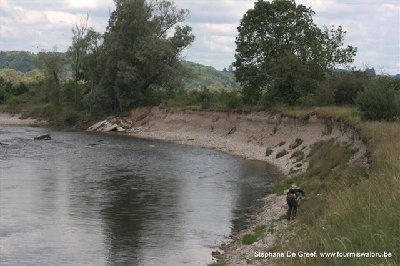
column 197, row 75
column 200, row 75
column 18, row 60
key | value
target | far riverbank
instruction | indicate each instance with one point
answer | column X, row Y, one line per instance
column 16, row 119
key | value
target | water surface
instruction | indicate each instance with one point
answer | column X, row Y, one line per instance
column 90, row 199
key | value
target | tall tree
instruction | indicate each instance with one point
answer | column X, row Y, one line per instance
column 280, row 31
column 91, row 70
column 77, row 52
column 79, row 46
column 141, row 53
column 51, row 65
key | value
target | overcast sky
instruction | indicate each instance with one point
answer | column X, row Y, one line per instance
column 372, row 25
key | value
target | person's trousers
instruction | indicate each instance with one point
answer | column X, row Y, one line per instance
column 292, row 208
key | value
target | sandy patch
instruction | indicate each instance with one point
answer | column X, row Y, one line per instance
column 15, row 119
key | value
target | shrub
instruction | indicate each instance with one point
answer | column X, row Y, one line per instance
column 380, row 100
column 249, row 239
column 346, row 86
column 71, row 118
column 324, row 95
column 297, row 142
column 281, row 143
column 298, row 155
column 258, row 232
column 281, row 154
column 275, row 130
column 268, row 152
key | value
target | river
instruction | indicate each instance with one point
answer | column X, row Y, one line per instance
column 91, row 199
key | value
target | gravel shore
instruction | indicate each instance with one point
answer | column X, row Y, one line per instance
column 16, row 119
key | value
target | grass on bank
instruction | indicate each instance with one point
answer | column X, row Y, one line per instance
column 257, row 233
column 348, row 209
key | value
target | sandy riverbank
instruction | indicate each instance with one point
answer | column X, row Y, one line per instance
column 246, row 134
column 16, row 119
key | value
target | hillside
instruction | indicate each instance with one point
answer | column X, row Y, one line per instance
column 199, row 75
column 196, row 75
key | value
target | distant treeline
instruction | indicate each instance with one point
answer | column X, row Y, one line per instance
column 18, row 60
column 196, row 75
column 138, row 62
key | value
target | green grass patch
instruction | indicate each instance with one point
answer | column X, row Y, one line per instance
column 281, row 153
column 325, row 156
column 268, row 152
column 280, row 144
column 349, row 208
column 298, row 156
column 257, row 233
column 280, row 187
column 296, row 143
column 275, row 130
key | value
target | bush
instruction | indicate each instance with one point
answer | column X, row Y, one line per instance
column 346, row 86
column 298, row 155
column 258, row 232
column 324, row 95
column 71, row 118
column 3, row 95
column 268, row 152
column 296, row 144
column 281, row 143
column 281, row 154
column 380, row 100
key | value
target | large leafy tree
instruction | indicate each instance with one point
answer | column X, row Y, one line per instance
column 51, row 65
column 140, row 56
column 275, row 34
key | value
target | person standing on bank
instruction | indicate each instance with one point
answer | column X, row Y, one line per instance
column 293, row 198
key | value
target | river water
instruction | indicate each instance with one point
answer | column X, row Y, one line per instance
column 91, row 199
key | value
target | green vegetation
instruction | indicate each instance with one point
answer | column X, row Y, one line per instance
column 200, row 76
column 380, row 100
column 281, row 153
column 281, row 143
column 280, row 187
column 207, row 98
column 296, row 143
column 275, row 130
column 18, row 60
column 284, row 62
column 136, row 62
column 257, row 233
column 268, row 152
column 291, row 52
column 348, row 209
column 298, row 155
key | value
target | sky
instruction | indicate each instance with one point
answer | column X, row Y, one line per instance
column 372, row 26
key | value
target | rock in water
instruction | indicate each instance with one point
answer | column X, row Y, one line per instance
column 43, row 137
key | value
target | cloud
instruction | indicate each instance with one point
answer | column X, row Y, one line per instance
column 372, row 26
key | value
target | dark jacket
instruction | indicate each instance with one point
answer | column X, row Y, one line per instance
column 298, row 191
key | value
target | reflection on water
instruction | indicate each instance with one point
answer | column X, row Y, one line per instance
column 88, row 199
